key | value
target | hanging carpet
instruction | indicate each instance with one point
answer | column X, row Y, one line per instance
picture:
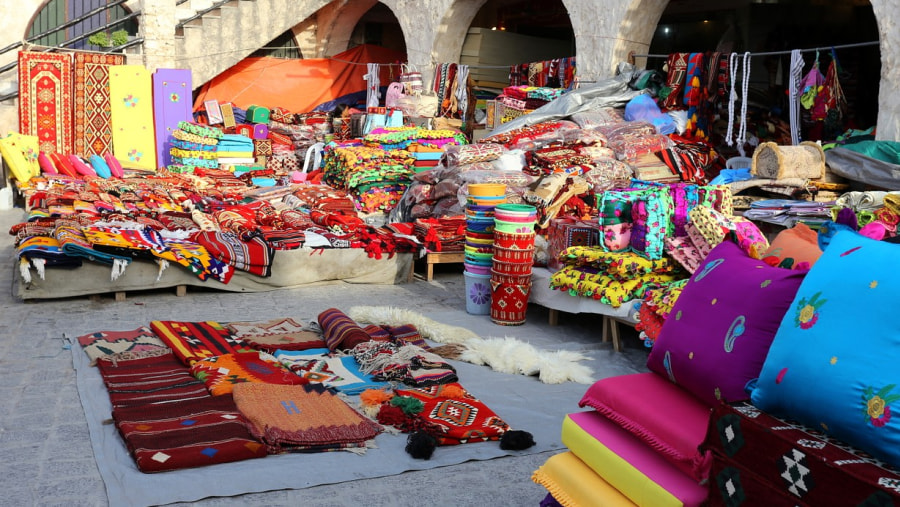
column 45, row 99
column 92, row 116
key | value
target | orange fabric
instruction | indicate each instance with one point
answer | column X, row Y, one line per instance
column 297, row 85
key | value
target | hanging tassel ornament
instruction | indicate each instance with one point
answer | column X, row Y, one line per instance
column 732, row 98
column 118, row 268
column 163, row 264
column 25, row 269
column 39, row 265
column 796, row 74
column 745, row 88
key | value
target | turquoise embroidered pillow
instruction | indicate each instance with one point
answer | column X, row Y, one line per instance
column 718, row 333
column 834, row 362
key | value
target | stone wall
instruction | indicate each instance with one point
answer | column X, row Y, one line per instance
column 606, row 32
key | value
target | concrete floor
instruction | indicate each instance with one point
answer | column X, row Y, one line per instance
column 44, row 441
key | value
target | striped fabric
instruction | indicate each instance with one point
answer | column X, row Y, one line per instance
column 186, row 434
column 193, row 341
column 140, row 378
column 340, row 331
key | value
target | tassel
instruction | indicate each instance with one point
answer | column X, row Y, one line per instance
column 118, row 269
column 39, row 265
column 408, row 404
column 516, row 440
column 163, row 264
column 420, row 445
column 25, row 269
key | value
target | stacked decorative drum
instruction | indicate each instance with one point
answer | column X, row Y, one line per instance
column 513, row 260
column 481, row 201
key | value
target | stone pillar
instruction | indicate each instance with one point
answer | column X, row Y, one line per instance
column 157, row 27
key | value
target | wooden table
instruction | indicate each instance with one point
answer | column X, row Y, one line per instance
column 432, row 258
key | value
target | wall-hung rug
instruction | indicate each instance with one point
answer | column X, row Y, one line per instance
column 45, row 99
column 92, row 115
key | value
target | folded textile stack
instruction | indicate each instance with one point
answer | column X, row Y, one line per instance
column 446, row 234
column 613, row 278
column 192, row 146
column 235, row 149
column 374, row 177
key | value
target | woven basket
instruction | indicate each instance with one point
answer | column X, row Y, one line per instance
column 806, row 161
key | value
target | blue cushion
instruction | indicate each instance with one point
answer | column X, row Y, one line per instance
column 833, row 364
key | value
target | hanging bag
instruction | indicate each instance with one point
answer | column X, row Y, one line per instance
column 393, row 94
column 418, row 105
column 411, row 79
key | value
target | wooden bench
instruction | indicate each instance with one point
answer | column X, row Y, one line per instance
column 432, row 258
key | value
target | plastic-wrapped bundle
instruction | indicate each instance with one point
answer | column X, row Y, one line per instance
column 472, row 153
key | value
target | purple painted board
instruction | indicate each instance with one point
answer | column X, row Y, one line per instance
column 171, row 104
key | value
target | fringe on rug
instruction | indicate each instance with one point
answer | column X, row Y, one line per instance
column 506, row 355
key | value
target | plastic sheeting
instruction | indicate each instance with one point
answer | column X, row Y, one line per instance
column 612, row 92
column 862, row 168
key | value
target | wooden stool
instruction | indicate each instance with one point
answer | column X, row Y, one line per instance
column 433, row 258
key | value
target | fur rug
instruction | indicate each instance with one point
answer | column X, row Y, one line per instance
column 506, row 355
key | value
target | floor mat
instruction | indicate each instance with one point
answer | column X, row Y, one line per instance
column 512, row 397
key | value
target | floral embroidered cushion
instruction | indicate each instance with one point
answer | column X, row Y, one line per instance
column 833, row 363
column 717, row 336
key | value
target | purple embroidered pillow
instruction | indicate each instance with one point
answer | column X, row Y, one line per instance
column 717, row 336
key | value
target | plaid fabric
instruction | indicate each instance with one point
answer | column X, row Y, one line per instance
column 193, row 341
column 186, row 434
column 148, row 377
column 340, row 331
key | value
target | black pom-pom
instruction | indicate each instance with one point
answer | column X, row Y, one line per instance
column 420, row 445
column 516, row 440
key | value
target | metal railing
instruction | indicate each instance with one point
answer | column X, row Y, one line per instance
column 74, row 40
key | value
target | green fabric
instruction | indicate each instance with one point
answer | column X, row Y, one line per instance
column 885, row 151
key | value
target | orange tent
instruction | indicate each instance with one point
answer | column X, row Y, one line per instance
column 298, row 85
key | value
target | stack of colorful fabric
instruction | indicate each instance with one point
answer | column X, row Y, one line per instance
column 612, row 278
column 193, row 145
column 442, row 234
column 655, row 308
column 374, row 177
column 235, row 149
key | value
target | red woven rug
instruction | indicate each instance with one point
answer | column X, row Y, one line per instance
column 45, row 99
column 92, row 125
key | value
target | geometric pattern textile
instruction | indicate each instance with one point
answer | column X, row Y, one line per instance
column 186, row 434
column 92, row 116
column 221, row 373
column 460, row 419
column 106, row 343
column 759, row 459
column 271, row 335
column 193, row 341
column 45, row 99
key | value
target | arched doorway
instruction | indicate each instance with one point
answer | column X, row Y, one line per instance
column 380, row 27
column 774, row 29
column 504, row 33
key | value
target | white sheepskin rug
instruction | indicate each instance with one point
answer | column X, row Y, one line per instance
column 506, row 355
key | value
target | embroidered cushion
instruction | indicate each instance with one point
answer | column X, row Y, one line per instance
column 717, row 336
column 833, row 363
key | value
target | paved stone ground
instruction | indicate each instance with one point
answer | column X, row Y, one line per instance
column 44, row 441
